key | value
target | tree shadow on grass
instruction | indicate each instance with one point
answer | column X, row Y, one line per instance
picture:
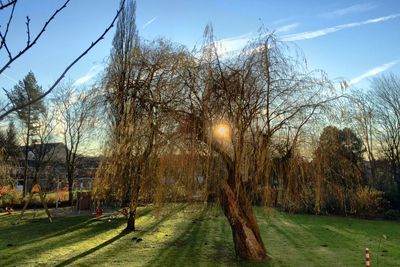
column 205, row 241
column 166, row 216
column 40, row 229
column 32, row 231
column 16, row 253
column 24, row 243
column 138, row 234
column 194, row 246
column 92, row 250
column 95, row 229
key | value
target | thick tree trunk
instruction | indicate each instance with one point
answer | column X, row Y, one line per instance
column 135, row 188
column 245, row 231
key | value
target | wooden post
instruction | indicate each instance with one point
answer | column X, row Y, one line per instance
column 45, row 205
column 36, row 189
column 367, row 257
column 26, row 205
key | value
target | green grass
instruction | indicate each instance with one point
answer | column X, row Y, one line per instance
column 189, row 235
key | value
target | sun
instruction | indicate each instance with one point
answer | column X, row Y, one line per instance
column 221, row 131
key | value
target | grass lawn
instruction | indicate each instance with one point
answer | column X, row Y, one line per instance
column 189, row 235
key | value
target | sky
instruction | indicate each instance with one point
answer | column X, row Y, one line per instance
column 349, row 40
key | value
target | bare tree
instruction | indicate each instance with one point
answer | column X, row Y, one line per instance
column 12, row 56
column 363, row 116
column 76, row 114
column 386, row 97
column 41, row 148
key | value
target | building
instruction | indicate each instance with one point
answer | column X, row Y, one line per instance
column 46, row 162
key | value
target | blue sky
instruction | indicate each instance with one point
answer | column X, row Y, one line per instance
column 351, row 40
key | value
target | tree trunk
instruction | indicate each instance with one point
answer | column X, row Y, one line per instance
column 130, row 226
column 70, row 193
column 25, row 191
column 245, row 231
column 135, row 189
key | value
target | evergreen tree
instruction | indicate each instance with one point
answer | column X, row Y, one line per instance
column 9, row 142
column 23, row 92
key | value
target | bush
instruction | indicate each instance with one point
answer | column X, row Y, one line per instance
column 392, row 214
column 369, row 202
column 8, row 196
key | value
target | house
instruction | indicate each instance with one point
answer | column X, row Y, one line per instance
column 47, row 163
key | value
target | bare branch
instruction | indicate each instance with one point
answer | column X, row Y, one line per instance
column 9, row 3
column 12, row 59
column 2, row 116
column 3, row 37
column 5, row 46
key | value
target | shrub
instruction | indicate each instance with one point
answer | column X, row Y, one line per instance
column 369, row 202
column 8, row 196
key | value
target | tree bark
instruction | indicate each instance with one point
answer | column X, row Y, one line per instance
column 25, row 191
column 131, row 220
column 245, row 231
column 70, row 193
column 135, row 188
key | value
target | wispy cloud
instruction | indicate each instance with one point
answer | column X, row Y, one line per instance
column 238, row 42
column 325, row 31
column 359, row 8
column 149, row 22
column 284, row 20
column 94, row 70
column 227, row 45
column 287, row 28
column 373, row 72
column 233, row 44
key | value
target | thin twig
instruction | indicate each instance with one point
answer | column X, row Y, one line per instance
column 2, row 6
column 28, row 31
column 15, row 108
column 3, row 38
column 34, row 40
column 5, row 46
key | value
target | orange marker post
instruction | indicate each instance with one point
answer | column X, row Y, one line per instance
column 367, row 257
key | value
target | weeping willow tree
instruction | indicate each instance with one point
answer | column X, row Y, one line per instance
column 139, row 88
column 248, row 108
